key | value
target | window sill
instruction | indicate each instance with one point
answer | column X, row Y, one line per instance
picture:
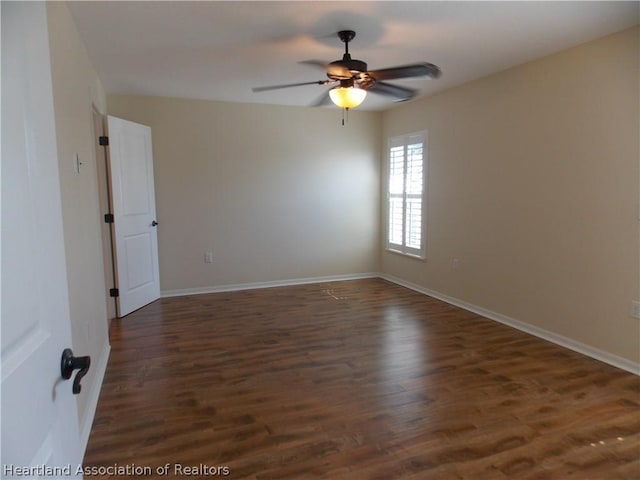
column 408, row 255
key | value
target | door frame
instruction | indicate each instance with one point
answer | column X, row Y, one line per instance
column 99, row 129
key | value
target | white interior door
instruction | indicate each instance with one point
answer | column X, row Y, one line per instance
column 39, row 412
column 134, row 210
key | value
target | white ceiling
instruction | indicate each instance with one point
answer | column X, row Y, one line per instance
column 220, row 50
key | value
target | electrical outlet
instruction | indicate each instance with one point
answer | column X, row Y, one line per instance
column 208, row 257
column 455, row 263
column 635, row 309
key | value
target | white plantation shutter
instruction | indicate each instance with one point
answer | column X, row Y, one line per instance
column 406, row 177
column 396, row 195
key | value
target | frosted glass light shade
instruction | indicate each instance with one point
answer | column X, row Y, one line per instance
column 347, row 97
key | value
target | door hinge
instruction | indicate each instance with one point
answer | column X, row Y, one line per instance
column 103, row 141
column 114, row 292
column 108, row 218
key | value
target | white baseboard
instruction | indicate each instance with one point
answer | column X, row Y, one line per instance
column 99, row 368
column 277, row 283
column 563, row 341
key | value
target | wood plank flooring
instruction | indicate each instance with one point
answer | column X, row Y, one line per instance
column 358, row 380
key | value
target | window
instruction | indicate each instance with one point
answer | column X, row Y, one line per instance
column 406, row 193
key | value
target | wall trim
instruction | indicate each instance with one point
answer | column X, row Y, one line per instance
column 99, row 367
column 255, row 285
column 576, row 346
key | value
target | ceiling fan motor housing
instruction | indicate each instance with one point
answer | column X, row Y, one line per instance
column 355, row 67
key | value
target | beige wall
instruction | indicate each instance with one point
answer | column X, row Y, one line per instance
column 75, row 89
column 275, row 193
column 533, row 186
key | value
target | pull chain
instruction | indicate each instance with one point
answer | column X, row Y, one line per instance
column 345, row 116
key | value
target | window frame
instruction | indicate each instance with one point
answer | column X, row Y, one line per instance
column 403, row 249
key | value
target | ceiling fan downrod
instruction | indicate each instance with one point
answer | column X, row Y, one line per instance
column 346, row 36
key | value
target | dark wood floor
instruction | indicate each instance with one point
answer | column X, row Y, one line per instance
column 356, row 380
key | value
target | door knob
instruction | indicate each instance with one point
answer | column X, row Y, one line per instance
column 69, row 363
column 154, row 223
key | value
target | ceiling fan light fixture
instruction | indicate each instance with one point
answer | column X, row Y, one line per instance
column 347, row 97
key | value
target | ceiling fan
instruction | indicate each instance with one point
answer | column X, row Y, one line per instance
column 352, row 80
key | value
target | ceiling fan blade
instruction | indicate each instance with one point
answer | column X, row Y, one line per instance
column 322, row 100
column 400, row 94
column 407, row 71
column 315, row 63
column 277, row 87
